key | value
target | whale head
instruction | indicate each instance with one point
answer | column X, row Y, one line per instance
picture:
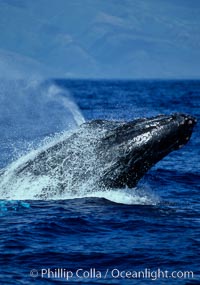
column 128, row 150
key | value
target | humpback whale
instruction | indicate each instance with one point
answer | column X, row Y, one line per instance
column 108, row 154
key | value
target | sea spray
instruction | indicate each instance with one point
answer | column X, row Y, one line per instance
column 32, row 110
column 65, row 166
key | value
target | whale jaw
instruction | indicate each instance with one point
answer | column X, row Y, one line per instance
column 140, row 144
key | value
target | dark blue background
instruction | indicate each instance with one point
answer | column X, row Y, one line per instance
column 97, row 233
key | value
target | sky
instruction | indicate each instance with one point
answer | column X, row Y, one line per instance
column 127, row 39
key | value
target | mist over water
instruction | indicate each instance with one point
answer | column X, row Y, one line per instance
column 32, row 110
column 33, row 115
column 35, row 108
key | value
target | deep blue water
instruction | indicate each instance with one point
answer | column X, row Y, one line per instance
column 95, row 232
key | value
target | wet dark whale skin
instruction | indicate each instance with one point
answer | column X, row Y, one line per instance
column 150, row 140
column 123, row 151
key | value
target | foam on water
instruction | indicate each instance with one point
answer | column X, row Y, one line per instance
column 134, row 196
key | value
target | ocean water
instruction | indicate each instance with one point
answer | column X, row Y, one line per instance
column 124, row 236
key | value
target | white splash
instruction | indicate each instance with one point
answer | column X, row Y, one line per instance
column 134, row 196
column 83, row 168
